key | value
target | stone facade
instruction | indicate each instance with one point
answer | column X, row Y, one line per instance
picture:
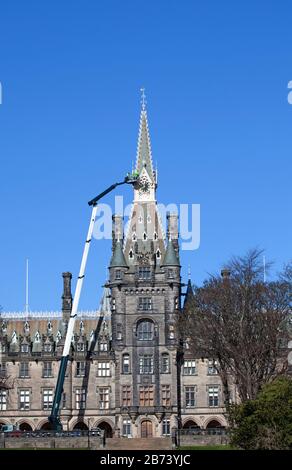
column 123, row 374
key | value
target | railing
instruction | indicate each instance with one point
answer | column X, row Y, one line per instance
column 49, row 433
column 203, row 432
column 50, row 315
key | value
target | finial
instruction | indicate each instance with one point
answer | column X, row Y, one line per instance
column 143, row 99
column 189, row 271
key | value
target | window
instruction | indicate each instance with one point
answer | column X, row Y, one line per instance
column 24, row 348
column 176, row 303
column 190, row 397
column 145, row 303
column 170, row 274
column 64, row 400
column 80, row 347
column 165, row 369
column 119, row 331
column 145, row 330
column 131, row 254
column 212, row 367
column 103, row 369
column 24, row 399
column 126, row 364
column 113, row 305
column 146, row 364
column 213, row 395
column 146, row 396
column 103, row 346
column 3, row 370
column 189, row 367
column 104, row 398
column 24, row 370
column 118, row 274
column 2, row 348
column 171, row 332
column 165, row 395
column 80, row 369
column 158, row 254
column 144, row 272
column 126, row 427
column 166, row 427
column 80, row 398
column 126, row 395
column 47, row 347
column 47, row 369
column 47, row 398
column 3, row 400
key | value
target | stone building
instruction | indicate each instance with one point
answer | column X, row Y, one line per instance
column 123, row 373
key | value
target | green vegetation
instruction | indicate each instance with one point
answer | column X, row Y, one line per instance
column 215, row 447
column 266, row 422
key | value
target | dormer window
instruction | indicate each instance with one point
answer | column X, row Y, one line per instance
column 155, row 236
column 37, row 337
column 24, row 348
column 134, row 237
column 58, row 336
column 144, row 236
column 2, row 348
column 81, row 326
column 48, row 348
column 131, row 255
column 80, row 347
column 170, row 274
column 103, row 346
column 158, row 254
column 49, row 327
column 26, row 327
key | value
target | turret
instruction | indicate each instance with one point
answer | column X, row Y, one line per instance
column 67, row 296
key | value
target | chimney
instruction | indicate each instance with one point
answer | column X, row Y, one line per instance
column 172, row 229
column 67, row 296
column 225, row 273
column 117, row 229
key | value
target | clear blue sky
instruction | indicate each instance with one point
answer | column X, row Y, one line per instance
column 216, row 75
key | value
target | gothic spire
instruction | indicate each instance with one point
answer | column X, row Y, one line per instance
column 144, row 157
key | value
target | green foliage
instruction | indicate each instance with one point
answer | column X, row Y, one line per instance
column 266, row 422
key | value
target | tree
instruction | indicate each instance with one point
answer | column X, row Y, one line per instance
column 266, row 422
column 241, row 322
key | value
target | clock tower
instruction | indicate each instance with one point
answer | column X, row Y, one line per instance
column 145, row 288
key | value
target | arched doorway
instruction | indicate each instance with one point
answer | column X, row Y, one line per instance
column 146, row 428
column 81, row 426
column 108, row 432
column 191, row 427
column 46, row 427
column 25, row 427
column 190, row 424
column 214, row 427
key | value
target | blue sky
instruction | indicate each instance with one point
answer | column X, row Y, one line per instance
column 216, row 81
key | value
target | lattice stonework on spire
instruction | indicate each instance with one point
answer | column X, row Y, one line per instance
column 144, row 157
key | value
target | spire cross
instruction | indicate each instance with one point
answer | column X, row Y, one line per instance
column 143, row 99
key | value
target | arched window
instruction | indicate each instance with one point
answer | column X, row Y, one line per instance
column 145, row 330
column 126, row 364
column 165, row 365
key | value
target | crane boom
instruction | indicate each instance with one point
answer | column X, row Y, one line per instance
column 54, row 416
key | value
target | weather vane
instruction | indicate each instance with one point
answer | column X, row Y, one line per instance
column 143, row 98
